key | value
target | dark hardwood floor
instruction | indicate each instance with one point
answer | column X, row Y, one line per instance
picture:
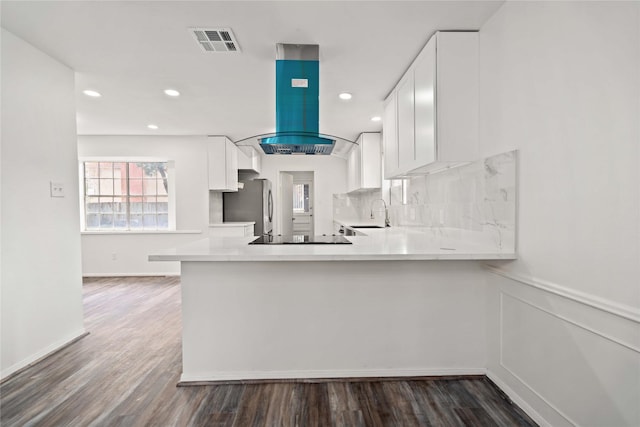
column 125, row 374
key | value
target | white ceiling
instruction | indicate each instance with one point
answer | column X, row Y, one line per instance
column 130, row 51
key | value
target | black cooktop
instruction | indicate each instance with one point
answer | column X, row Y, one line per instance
column 300, row 239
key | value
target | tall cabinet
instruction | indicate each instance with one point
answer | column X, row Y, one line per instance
column 431, row 117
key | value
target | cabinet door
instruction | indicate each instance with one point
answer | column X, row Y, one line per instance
column 353, row 165
column 425, row 111
column 231, row 154
column 406, row 147
column 390, row 137
column 457, row 96
column 223, row 164
column 216, row 157
column 364, row 163
column 370, row 160
column 248, row 159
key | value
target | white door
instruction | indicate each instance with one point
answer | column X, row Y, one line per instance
column 303, row 206
column 286, row 204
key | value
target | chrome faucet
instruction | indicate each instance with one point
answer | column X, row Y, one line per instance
column 387, row 223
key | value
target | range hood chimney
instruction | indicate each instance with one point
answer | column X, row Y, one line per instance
column 297, row 106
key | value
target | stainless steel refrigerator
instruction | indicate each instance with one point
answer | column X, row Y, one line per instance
column 254, row 202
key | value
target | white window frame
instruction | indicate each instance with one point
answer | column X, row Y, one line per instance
column 171, row 181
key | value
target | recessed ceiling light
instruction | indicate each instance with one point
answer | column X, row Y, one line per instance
column 345, row 95
column 92, row 93
column 376, row 118
column 152, row 126
column 172, row 92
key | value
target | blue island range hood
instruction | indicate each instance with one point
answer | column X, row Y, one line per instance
column 297, row 105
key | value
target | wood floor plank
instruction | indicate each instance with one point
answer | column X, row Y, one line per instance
column 400, row 397
column 124, row 373
column 253, row 405
column 314, row 408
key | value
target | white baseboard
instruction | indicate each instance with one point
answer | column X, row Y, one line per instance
column 515, row 397
column 130, row 274
column 185, row 379
column 42, row 354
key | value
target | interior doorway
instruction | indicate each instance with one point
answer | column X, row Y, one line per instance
column 297, row 203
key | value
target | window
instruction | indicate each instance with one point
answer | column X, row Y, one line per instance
column 300, row 198
column 126, row 196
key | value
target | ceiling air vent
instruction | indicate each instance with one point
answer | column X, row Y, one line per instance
column 215, row 39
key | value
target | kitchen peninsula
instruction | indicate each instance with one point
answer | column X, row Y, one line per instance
column 390, row 304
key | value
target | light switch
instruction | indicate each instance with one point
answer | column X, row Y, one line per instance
column 57, row 189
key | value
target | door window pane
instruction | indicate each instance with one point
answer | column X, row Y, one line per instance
column 301, row 198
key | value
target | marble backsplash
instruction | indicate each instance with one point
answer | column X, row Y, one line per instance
column 480, row 196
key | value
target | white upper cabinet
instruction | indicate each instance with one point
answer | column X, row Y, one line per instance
column 405, row 104
column 365, row 163
column 425, row 108
column 390, row 137
column 222, row 155
column 249, row 159
column 431, row 117
column 354, row 164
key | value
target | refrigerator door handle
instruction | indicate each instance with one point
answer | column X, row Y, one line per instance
column 270, row 204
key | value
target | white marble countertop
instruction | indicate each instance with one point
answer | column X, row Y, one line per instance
column 231, row 224
column 392, row 243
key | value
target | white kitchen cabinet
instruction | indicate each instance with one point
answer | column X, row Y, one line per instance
column 365, row 163
column 249, row 159
column 424, row 78
column 353, row 169
column 231, row 229
column 222, row 157
column 390, row 137
column 405, row 103
column 436, row 102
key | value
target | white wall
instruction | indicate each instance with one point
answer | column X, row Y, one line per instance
column 560, row 81
column 189, row 154
column 330, row 176
column 41, row 274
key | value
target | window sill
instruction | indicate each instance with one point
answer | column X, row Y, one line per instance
column 124, row 232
